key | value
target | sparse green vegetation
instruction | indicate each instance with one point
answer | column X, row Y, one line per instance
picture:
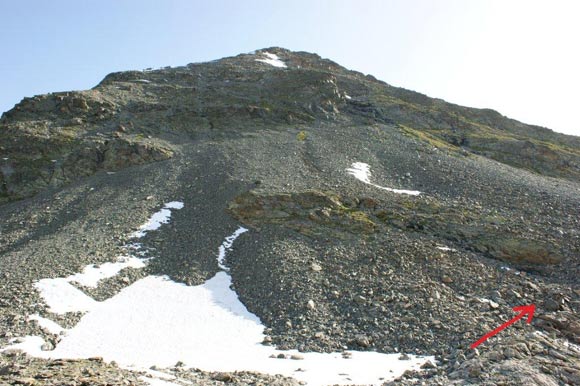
column 428, row 138
column 362, row 218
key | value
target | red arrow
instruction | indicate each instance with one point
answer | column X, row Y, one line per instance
column 523, row 310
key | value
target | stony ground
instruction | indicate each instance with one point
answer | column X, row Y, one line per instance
column 329, row 263
column 18, row 369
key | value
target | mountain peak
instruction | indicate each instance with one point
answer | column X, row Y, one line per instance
column 271, row 86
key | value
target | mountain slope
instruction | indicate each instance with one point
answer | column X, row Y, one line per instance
column 333, row 258
column 52, row 139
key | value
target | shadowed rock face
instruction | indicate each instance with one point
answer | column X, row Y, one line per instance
column 57, row 164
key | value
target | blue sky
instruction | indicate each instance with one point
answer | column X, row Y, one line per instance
column 518, row 57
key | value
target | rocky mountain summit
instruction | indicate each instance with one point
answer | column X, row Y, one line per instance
column 53, row 139
column 379, row 219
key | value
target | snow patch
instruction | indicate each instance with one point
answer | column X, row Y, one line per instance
column 29, row 344
column 92, row 274
column 508, row 269
column 160, row 322
column 272, row 59
column 174, row 205
column 47, row 324
column 62, row 297
column 160, row 374
column 444, row 248
column 159, row 218
column 157, row 382
column 362, row 172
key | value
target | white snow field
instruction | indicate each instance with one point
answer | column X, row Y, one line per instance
column 362, row 171
column 158, row 322
column 273, row 60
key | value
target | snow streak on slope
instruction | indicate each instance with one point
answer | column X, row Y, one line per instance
column 362, row 172
column 272, row 60
column 226, row 246
column 158, row 219
column 158, row 322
